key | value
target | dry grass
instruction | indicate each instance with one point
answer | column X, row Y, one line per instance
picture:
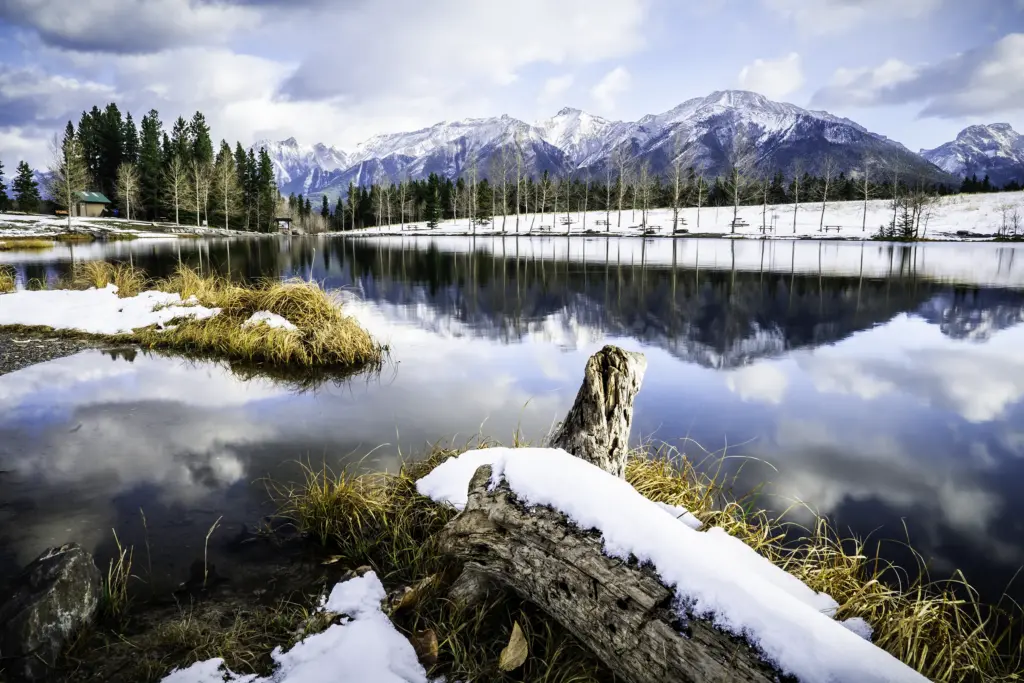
column 119, row 236
column 325, row 338
column 939, row 628
column 7, row 281
column 75, row 237
column 15, row 244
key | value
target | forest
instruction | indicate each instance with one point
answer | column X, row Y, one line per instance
column 180, row 177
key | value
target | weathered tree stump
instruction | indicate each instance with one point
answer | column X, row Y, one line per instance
column 598, row 424
column 619, row 611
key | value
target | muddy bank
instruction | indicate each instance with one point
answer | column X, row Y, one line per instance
column 21, row 349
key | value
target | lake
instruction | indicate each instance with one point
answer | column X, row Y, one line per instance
column 880, row 384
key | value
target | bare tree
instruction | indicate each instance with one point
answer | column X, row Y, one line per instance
column 545, row 183
column 69, row 176
column 798, row 171
column 644, row 185
column 127, row 187
column 519, row 176
column 828, row 170
column 894, row 176
column 471, row 195
column 678, row 182
column 622, row 164
column 586, row 196
column 764, row 189
column 699, row 192
column 608, row 196
column 740, row 161
column 865, row 186
column 555, row 185
column 199, row 186
column 228, row 193
column 176, row 182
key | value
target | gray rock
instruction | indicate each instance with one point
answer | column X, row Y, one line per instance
column 53, row 597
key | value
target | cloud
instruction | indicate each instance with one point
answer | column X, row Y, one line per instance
column 608, row 89
column 822, row 17
column 554, row 88
column 128, row 26
column 980, row 82
column 763, row 382
column 28, row 95
column 774, row 79
column 450, row 48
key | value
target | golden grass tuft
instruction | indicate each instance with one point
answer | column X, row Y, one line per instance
column 7, row 279
column 15, row 244
column 128, row 280
column 939, row 628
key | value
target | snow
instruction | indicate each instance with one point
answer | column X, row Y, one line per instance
column 365, row 648
column 97, row 311
column 714, row 575
column 974, row 213
column 40, row 225
column 682, row 514
column 272, row 320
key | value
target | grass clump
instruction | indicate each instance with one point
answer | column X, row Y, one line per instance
column 75, row 237
column 16, row 243
column 7, row 281
column 939, row 628
column 324, row 338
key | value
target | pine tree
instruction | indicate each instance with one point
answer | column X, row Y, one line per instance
column 4, row 200
column 339, row 214
column 180, row 146
column 433, row 208
column 266, row 190
column 130, row 136
column 199, row 139
column 26, row 189
column 151, row 164
column 309, row 208
column 111, row 150
column 89, row 134
column 325, row 210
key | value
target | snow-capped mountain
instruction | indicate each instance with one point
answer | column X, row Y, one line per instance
column 995, row 150
column 702, row 132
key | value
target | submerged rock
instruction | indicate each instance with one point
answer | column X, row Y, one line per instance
column 54, row 596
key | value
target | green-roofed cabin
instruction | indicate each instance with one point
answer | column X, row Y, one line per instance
column 91, row 204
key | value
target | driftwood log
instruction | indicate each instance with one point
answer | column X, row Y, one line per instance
column 620, row 611
column 598, row 424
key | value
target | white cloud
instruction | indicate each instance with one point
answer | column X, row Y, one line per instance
column 774, row 79
column 554, row 88
column 983, row 82
column 606, row 92
column 823, row 17
column 763, row 382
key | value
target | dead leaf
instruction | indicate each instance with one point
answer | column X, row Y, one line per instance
column 332, row 559
column 514, row 654
column 425, row 645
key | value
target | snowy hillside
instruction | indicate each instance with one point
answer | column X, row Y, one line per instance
column 995, row 150
column 701, row 131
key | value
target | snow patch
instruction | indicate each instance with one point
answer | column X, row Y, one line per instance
column 96, row 311
column 269, row 319
column 365, row 648
column 715, row 576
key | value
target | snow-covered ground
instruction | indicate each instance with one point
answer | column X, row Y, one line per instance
column 714, row 575
column 364, row 648
column 38, row 225
column 97, row 311
column 982, row 214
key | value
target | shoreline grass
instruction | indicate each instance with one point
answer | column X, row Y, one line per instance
column 324, row 337
column 74, row 237
column 16, row 243
column 7, row 281
column 939, row 628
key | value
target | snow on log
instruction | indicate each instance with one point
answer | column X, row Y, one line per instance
column 652, row 597
column 598, row 424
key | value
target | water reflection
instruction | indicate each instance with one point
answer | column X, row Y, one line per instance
column 883, row 382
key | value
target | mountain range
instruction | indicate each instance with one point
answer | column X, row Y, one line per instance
column 705, row 132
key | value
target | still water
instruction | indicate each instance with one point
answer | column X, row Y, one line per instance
column 880, row 384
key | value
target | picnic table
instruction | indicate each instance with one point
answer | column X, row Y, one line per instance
column 602, row 222
column 832, row 227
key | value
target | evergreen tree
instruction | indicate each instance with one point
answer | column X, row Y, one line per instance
column 300, row 206
column 180, row 145
column 69, row 133
column 309, row 208
column 339, row 214
column 151, row 164
column 130, row 135
column 26, row 189
column 111, row 149
column 252, row 190
column 986, row 184
column 433, row 209
column 3, row 190
column 325, row 210
column 89, row 134
column 199, row 139
column 267, row 190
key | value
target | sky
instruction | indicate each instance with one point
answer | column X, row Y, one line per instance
column 340, row 71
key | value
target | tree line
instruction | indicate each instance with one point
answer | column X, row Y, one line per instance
column 149, row 174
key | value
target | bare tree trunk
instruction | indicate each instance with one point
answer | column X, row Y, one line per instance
column 619, row 611
column 796, row 197
column 598, row 424
column 829, row 168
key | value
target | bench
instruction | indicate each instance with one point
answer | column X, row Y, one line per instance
column 832, row 227
column 740, row 224
column 602, row 222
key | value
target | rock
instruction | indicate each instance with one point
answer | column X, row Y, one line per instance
column 53, row 597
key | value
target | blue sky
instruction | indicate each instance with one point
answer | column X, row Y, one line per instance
column 338, row 71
